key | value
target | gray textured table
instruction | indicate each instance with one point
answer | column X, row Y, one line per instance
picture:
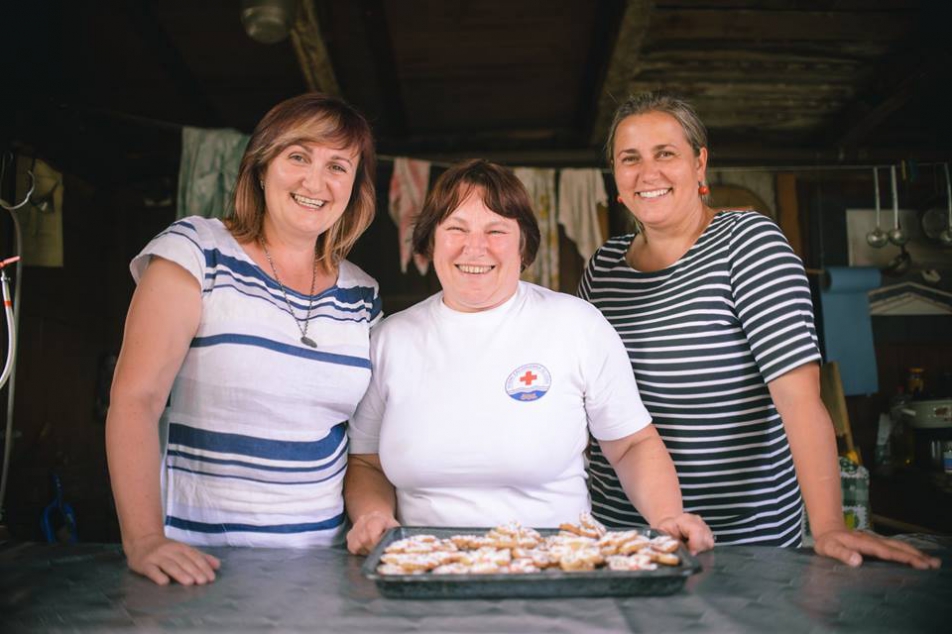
column 87, row 587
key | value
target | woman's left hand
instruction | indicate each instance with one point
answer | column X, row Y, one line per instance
column 850, row 546
column 689, row 528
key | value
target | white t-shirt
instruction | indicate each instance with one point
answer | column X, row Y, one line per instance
column 483, row 418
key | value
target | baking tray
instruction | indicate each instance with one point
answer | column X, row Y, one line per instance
column 549, row 583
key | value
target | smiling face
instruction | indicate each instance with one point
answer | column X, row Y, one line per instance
column 476, row 254
column 307, row 187
column 656, row 170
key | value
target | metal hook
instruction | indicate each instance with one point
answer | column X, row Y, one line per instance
column 896, row 235
column 876, row 238
column 26, row 198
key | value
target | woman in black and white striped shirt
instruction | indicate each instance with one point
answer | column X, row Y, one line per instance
column 715, row 312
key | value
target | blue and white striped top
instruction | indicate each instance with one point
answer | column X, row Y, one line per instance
column 705, row 336
column 257, row 442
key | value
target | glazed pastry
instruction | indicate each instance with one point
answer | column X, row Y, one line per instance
column 515, row 549
column 631, row 562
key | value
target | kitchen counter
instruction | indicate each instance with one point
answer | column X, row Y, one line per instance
column 88, row 587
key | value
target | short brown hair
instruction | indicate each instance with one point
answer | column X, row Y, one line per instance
column 313, row 118
column 502, row 192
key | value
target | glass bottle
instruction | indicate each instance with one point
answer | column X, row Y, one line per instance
column 903, row 441
column 915, row 383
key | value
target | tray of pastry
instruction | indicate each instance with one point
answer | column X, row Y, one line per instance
column 582, row 560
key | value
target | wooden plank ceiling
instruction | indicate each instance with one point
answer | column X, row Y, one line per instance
column 521, row 81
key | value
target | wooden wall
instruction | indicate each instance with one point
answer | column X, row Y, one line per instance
column 70, row 330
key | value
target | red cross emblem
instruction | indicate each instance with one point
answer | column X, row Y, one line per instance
column 528, row 382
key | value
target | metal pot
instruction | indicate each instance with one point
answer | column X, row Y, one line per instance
column 934, row 414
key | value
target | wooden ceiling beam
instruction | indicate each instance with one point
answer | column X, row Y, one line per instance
column 921, row 61
column 737, row 156
column 861, row 126
column 781, row 25
column 381, row 49
column 605, row 31
column 167, row 54
column 623, row 65
column 473, row 143
column 311, row 51
column 105, row 148
column 859, row 120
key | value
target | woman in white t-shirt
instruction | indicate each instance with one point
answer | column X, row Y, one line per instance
column 483, row 396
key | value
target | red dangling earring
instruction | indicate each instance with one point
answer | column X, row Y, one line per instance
column 620, row 199
column 703, row 189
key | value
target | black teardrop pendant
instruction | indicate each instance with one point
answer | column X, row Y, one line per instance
column 307, row 341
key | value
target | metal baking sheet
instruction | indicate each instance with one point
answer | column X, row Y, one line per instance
column 549, row 583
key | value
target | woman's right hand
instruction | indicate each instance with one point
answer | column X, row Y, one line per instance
column 163, row 319
column 162, row 559
column 367, row 531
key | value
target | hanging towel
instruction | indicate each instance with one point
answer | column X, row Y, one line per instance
column 209, row 169
column 581, row 191
column 847, row 327
column 408, row 188
column 540, row 183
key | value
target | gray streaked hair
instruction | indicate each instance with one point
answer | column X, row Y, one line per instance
column 646, row 102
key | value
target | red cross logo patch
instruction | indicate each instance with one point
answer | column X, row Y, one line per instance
column 528, row 382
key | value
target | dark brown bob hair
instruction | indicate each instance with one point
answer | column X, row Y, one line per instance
column 501, row 191
column 308, row 118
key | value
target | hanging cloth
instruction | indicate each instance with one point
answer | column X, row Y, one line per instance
column 41, row 220
column 848, row 327
column 581, row 191
column 208, row 171
column 408, row 187
column 540, row 183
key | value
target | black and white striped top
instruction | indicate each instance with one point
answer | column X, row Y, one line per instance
column 705, row 336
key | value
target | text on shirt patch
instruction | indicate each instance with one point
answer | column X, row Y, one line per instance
column 528, row 382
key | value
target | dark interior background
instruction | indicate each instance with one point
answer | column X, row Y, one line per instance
column 101, row 90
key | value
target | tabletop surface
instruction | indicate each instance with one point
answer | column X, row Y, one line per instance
column 88, row 587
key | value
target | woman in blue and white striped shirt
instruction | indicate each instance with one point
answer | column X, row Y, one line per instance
column 258, row 328
column 715, row 311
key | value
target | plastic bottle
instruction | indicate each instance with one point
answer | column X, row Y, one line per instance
column 854, row 481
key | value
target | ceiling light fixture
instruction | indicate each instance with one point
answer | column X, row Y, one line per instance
column 268, row 21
